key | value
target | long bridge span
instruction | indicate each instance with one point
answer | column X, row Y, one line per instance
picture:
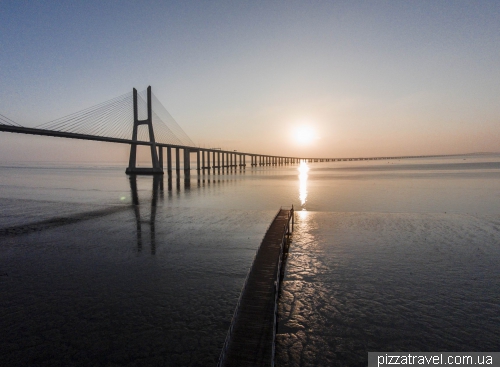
column 117, row 121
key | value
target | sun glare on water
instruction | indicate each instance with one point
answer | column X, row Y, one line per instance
column 304, row 135
column 303, row 169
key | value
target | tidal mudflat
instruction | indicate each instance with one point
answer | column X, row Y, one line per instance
column 392, row 282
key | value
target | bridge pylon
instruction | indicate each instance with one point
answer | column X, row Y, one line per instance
column 156, row 166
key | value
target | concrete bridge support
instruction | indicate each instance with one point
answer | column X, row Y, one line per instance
column 187, row 161
column 169, row 160
column 177, row 160
column 160, row 157
column 132, row 168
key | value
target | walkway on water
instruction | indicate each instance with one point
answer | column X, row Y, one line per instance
column 250, row 339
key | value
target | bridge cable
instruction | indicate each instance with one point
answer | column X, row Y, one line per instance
column 103, row 122
column 169, row 121
column 4, row 120
column 79, row 118
column 114, row 118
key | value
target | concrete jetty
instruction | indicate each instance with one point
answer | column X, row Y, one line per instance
column 251, row 336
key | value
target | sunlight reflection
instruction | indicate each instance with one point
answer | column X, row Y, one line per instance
column 303, row 169
column 303, row 214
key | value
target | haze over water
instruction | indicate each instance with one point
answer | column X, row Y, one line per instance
column 386, row 255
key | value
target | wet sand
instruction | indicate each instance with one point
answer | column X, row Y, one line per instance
column 360, row 282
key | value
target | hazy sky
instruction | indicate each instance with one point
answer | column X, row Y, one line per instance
column 371, row 78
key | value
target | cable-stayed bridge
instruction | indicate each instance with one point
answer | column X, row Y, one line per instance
column 139, row 118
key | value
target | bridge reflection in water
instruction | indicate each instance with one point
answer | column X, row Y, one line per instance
column 142, row 220
column 157, row 195
column 157, row 187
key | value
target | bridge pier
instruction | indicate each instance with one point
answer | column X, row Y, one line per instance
column 187, row 161
column 132, row 168
column 169, row 160
column 177, row 161
column 160, row 157
column 203, row 161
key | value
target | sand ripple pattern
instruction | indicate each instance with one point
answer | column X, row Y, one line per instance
column 359, row 282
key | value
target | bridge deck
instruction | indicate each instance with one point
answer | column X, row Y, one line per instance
column 251, row 339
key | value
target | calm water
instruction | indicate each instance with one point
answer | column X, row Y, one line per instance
column 388, row 255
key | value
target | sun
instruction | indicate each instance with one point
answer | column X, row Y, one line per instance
column 304, row 135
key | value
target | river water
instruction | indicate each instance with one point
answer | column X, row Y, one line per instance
column 386, row 255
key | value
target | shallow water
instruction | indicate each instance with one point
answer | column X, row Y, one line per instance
column 88, row 278
column 389, row 282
